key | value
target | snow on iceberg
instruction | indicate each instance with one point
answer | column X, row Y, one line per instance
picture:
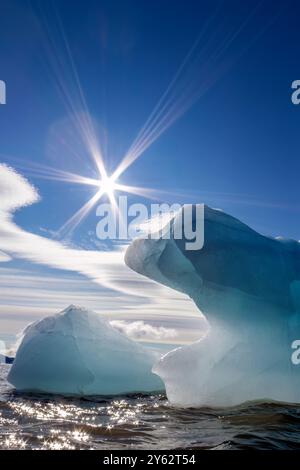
column 78, row 353
column 248, row 287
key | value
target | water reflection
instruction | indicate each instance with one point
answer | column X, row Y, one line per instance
column 149, row 422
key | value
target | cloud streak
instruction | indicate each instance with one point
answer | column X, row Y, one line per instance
column 4, row 257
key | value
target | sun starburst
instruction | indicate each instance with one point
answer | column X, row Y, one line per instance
column 107, row 186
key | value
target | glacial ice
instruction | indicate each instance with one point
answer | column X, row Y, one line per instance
column 76, row 352
column 248, row 287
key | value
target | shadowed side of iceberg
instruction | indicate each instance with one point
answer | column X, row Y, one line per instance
column 78, row 353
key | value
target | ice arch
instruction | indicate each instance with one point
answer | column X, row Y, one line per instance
column 248, row 287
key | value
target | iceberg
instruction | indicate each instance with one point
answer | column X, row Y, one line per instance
column 77, row 352
column 247, row 285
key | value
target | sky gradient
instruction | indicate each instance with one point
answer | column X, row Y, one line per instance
column 227, row 135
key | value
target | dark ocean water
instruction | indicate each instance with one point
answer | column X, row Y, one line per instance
column 140, row 422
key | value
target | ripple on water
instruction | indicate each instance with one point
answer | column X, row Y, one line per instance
column 32, row 421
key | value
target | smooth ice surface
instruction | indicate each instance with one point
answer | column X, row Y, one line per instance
column 78, row 353
column 248, row 287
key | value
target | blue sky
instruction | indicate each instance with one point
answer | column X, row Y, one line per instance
column 234, row 145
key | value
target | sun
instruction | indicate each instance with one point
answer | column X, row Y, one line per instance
column 107, row 185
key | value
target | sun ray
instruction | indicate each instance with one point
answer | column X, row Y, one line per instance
column 149, row 193
column 46, row 172
column 194, row 78
column 65, row 74
column 170, row 93
column 73, row 222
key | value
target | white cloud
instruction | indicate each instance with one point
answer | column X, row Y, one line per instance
column 144, row 331
column 15, row 190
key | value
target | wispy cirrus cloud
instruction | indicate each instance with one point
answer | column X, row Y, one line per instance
column 27, row 295
column 4, row 257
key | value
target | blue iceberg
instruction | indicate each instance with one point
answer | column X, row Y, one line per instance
column 248, row 287
column 76, row 352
